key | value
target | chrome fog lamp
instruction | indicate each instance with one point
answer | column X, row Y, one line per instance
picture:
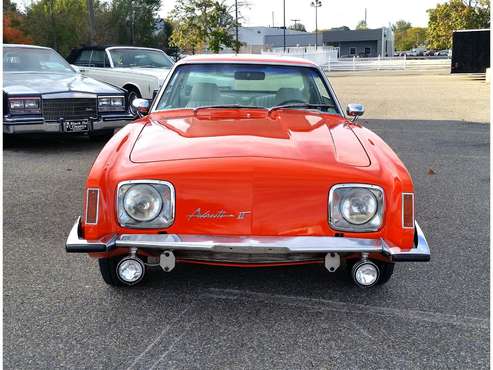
column 365, row 273
column 130, row 270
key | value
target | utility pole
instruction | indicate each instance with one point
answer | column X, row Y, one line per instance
column 237, row 46
column 295, row 22
column 316, row 4
column 273, row 19
column 284, row 24
column 92, row 25
column 366, row 24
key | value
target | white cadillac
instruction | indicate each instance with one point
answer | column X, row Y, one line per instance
column 140, row 71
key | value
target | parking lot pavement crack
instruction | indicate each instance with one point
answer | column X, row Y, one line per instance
column 354, row 308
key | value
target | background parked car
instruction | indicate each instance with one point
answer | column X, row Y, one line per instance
column 140, row 71
column 43, row 93
column 444, row 53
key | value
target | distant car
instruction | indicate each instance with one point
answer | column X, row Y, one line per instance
column 444, row 53
column 429, row 53
column 42, row 93
column 140, row 71
column 248, row 161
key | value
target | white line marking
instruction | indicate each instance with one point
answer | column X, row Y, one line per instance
column 165, row 330
column 328, row 305
column 171, row 346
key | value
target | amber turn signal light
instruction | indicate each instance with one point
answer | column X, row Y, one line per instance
column 92, row 205
column 408, row 210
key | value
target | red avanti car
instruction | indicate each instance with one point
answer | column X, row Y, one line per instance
column 247, row 161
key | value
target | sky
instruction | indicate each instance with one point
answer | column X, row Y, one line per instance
column 333, row 13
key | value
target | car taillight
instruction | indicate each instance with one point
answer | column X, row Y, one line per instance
column 408, row 210
column 92, row 206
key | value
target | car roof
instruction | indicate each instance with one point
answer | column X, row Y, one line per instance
column 246, row 58
column 26, row 46
column 104, row 47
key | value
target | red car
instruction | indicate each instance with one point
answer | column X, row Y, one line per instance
column 248, row 161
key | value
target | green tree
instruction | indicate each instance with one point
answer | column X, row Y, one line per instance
column 203, row 23
column 411, row 37
column 298, row 27
column 400, row 26
column 133, row 21
column 60, row 24
column 361, row 25
column 455, row 15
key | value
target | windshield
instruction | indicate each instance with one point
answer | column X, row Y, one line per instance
column 265, row 86
column 144, row 58
column 19, row 59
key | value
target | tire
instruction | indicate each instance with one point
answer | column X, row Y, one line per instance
column 133, row 93
column 386, row 272
column 107, row 267
column 101, row 135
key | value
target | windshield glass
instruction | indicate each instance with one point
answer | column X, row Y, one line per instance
column 19, row 59
column 266, row 86
column 144, row 58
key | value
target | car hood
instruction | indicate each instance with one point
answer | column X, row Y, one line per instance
column 46, row 83
column 288, row 134
column 160, row 73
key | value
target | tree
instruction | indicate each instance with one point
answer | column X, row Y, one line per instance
column 298, row 27
column 133, row 21
column 455, row 15
column 341, row 28
column 409, row 38
column 361, row 25
column 60, row 24
column 400, row 26
column 203, row 23
column 13, row 21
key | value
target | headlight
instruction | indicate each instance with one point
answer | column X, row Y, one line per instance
column 356, row 207
column 27, row 105
column 111, row 103
column 142, row 202
column 146, row 204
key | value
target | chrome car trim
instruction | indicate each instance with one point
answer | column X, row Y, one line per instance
column 248, row 244
column 356, row 228
column 71, row 94
column 147, row 224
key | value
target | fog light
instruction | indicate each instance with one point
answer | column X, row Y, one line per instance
column 365, row 273
column 130, row 270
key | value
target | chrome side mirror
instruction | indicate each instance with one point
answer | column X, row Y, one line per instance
column 141, row 106
column 355, row 110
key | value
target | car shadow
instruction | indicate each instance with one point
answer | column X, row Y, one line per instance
column 46, row 143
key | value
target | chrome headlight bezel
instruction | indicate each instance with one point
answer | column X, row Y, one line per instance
column 111, row 103
column 164, row 218
column 24, row 105
column 336, row 219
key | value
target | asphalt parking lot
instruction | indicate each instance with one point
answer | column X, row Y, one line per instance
column 58, row 313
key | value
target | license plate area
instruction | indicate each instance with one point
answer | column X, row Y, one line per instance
column 76, row 126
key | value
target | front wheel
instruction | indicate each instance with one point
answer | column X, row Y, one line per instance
column 107, row 267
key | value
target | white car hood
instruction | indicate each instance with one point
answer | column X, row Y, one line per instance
column 160, row 73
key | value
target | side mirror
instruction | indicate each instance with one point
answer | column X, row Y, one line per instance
column 355, row 110
column 141, row 106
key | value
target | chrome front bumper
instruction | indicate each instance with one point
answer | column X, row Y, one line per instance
column 31, row 126
column 247, row 244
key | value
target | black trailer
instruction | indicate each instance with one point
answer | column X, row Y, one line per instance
column 470, row 51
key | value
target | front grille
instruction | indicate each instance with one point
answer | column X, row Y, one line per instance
column 69, row 109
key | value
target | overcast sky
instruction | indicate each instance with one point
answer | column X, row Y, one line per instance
column 333, row 13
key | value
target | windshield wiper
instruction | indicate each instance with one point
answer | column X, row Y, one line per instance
column 301, row 105
column 237, row 106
